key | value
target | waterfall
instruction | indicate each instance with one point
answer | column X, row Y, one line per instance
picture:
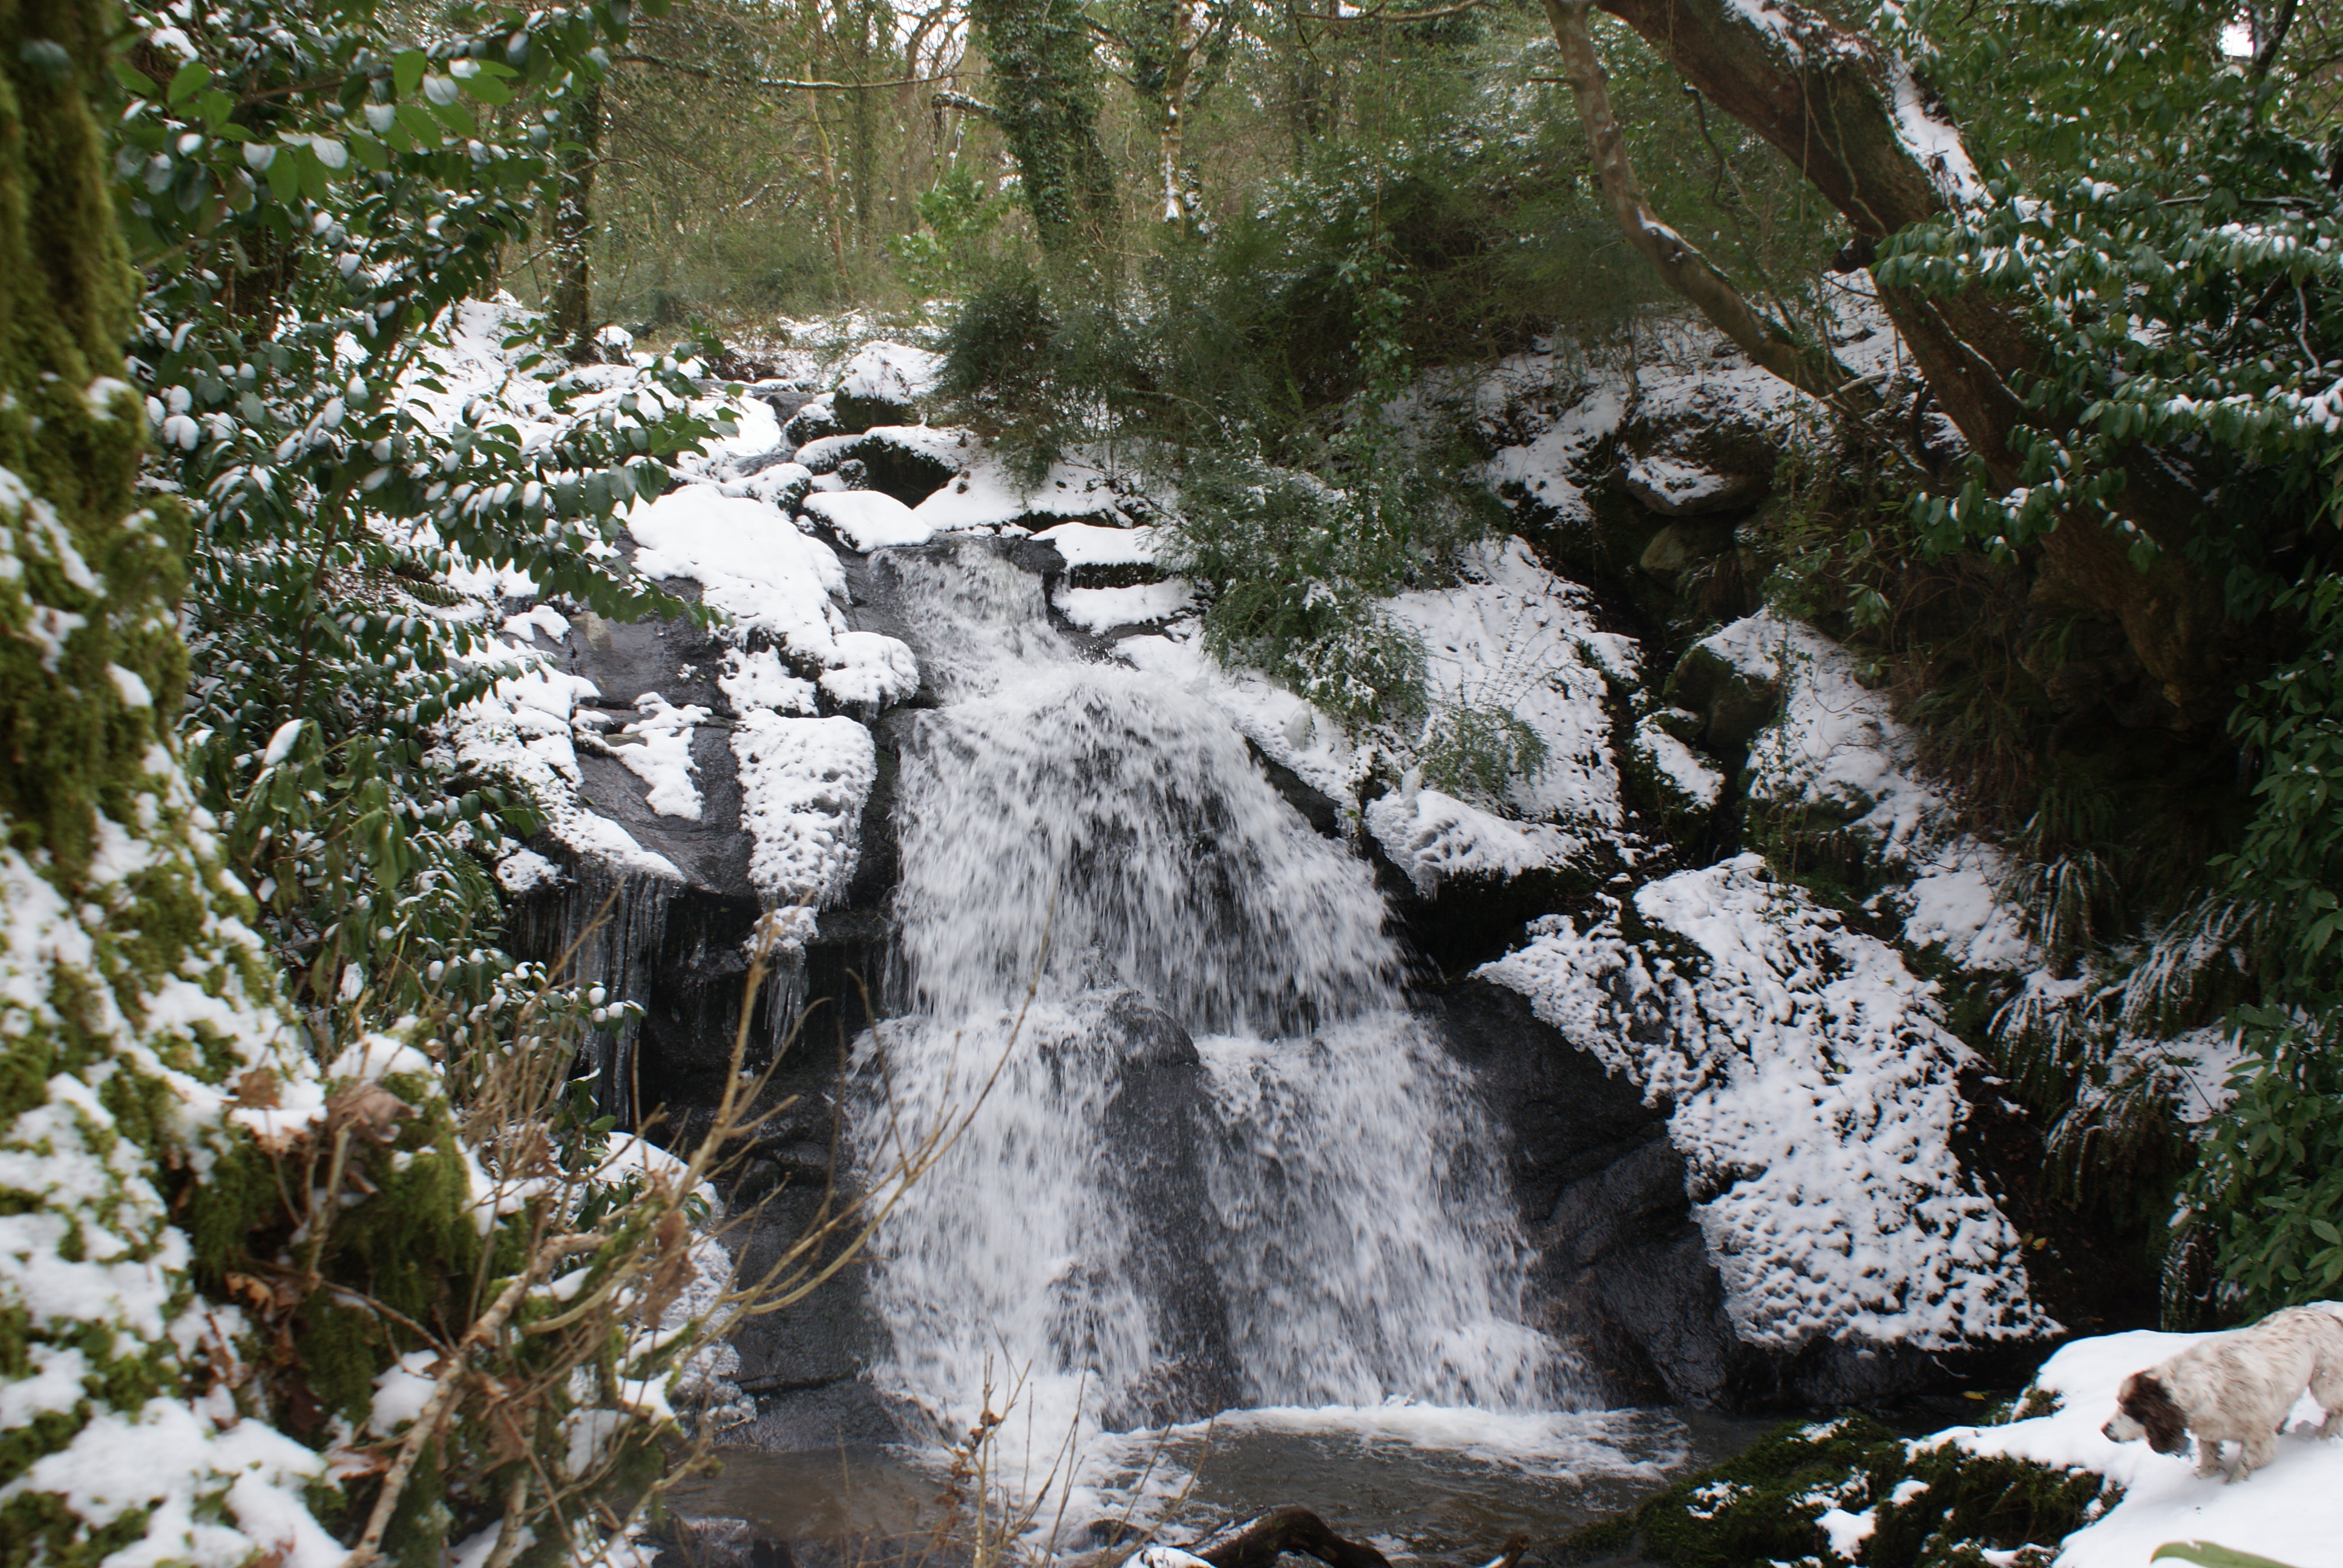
column 1219, row 1162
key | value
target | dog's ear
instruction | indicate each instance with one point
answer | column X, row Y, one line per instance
column 2146, row 1401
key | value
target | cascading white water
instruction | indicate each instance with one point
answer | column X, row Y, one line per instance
column 1073, row 833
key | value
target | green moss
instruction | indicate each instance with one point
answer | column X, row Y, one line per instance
column 1763, row 1506
column 340, row 1347
column 417, row 1535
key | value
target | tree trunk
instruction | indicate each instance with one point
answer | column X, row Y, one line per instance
column 1046, row 101
column 122, row 937
column 1187, row 37
column 1875, row 141
column 573, row 230
column 1810, row 368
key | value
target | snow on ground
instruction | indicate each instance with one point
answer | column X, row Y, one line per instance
column 1837, row 752
column 1513, row 637
column 803, row 783
column 1548, row 467
column 1677, row 765
column 1812, row 1085
column 2291, row 1511
column 1510, row 636
column 1838, row 759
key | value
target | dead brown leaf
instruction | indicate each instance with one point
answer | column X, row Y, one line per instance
column 368, row 1110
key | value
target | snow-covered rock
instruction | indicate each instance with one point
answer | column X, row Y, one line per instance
column 769, row 578
column 803, row 785
column 1814, row 1096
column 868, row 520
column 885, row 384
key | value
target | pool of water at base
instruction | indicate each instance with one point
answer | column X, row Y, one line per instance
column 1429, row 1493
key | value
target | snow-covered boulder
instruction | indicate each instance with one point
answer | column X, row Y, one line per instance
column 885, row 384
column 1732, row 681
column 1814, row 1104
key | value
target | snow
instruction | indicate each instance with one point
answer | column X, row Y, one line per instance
column 525, row 871
column 770, row 577
column 1847, row 1532
column 661, row 755
column 946, row 445
column 1673, row 485
column 1436, row 839
column 868, row 520
column 522, row 731
column 1837, row 758
column 1289, row 730
column 2291, row 1511
column 891, row 373
column 401, row 1390
column 1548, row 467
column 1954, row 904
column 1092, row 545
column 1812, row 1088
column 986, row 494
column 1678, row 766
column 1510, row 636
column 758, row 678
column 1933, row 140
column 166, row 1457
column 1101, row 609
column 1514, row 636
column 803, row 784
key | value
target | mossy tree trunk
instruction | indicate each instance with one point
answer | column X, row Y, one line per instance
column 1852, row 118
column 572, row 304
column 130, row 992
column 1046, row 102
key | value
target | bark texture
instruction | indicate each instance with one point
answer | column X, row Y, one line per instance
column 572, row 304
column 128, row 995
column 1874, row 140
column 1685, row 270
column 1045, row 99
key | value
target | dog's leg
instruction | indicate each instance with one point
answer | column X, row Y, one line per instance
column 2255, row 1453
column 2209, row 1457
column 2327, row 1388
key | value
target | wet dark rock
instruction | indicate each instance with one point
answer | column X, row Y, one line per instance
column 1732, row 704
column 1158, row 1123
column 1681, row 545
column 846, row 1412
column 1320, row 811
column 904, row 468
column 786, row 452
column 854, row 413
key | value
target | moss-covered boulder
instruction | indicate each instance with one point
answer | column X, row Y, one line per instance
column 1847, row 1491
column 1733, row 689
column 1679, row 784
